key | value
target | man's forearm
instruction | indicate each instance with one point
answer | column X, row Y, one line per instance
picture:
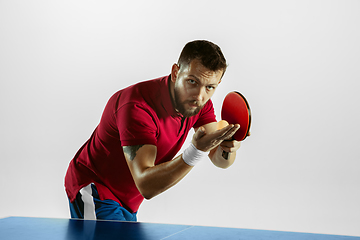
column 216, row 156
column 154, row 180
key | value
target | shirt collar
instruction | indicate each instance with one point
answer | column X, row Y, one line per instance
column 166, row 99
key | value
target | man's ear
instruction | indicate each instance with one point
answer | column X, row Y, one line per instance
column 174, row 72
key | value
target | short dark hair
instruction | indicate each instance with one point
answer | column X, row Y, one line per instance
column 208, row 53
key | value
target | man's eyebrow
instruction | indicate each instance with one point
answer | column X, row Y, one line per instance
column 193, row 76
column 197, row 79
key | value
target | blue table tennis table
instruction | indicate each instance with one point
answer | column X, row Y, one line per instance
column 27, row 228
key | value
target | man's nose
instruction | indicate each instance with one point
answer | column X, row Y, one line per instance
column 200, row 93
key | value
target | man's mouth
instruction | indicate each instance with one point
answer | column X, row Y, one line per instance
column 193, row 105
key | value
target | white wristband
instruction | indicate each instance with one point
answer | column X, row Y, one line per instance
column 192, row 155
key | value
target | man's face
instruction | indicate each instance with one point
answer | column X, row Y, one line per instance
column 194, row 86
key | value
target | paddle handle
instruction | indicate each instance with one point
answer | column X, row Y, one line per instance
column 225, row 155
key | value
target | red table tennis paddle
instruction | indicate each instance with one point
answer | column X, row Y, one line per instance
column 236, row 110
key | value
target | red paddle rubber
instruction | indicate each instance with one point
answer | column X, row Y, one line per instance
column 236, row 110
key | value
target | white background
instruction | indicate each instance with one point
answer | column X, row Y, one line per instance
column 297, row 62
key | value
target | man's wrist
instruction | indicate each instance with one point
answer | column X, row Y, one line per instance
column 192, row 155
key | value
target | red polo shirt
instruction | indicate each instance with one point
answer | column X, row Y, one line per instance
column 140, row 114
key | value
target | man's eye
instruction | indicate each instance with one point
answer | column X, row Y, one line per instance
column 210, row 88
column 192, row 82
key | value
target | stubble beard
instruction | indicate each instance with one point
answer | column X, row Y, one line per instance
column 180, row 106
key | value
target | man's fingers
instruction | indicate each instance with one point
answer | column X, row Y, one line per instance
column 199, row 133
column 230, row 145
column 230, row 131
column 206, row 142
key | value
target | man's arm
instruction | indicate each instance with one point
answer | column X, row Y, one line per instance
column 151, row 179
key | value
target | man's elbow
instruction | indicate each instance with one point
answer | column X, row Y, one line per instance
column 147, row 192
column 148, row 197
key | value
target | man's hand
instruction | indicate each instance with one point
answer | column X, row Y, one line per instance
column 207, row 141
column 218, row 138
column 230, row 145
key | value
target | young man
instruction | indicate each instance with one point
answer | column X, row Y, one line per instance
column 131, row 154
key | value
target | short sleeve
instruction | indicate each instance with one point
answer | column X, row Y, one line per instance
column 137, row 124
